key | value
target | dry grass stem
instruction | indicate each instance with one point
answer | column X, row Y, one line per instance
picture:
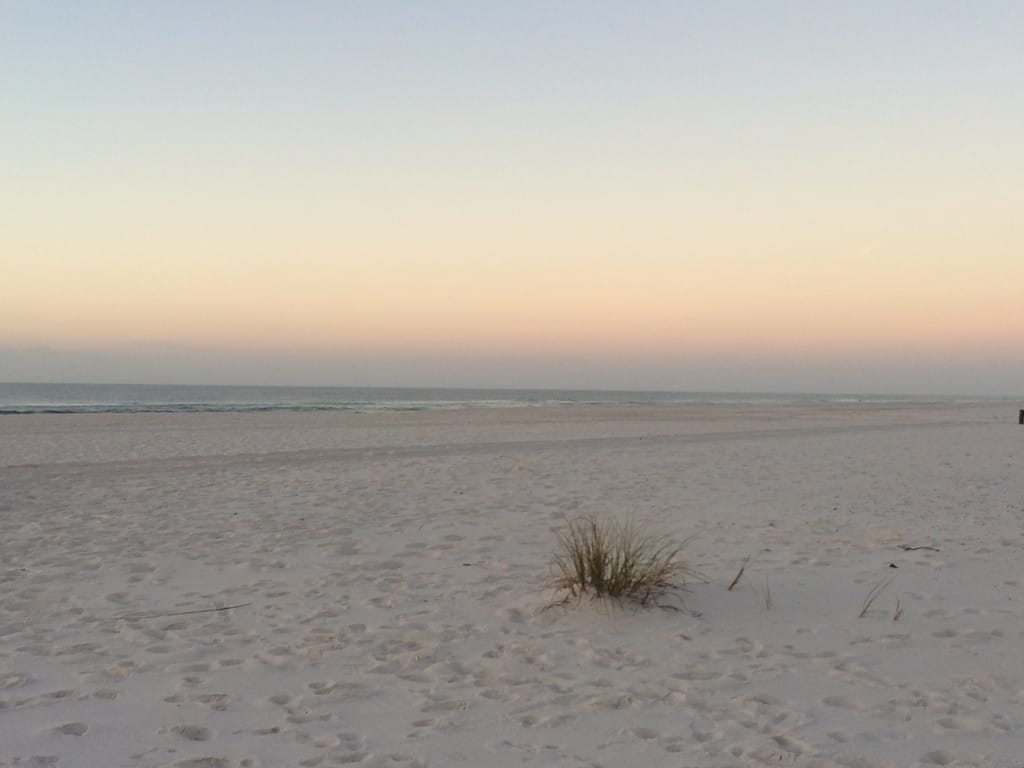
column 616, row 560
column 898, row 612
column 767, row 595
column 739, row 575
column 872, row 596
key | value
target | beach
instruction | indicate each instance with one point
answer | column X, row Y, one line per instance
column 229, row 590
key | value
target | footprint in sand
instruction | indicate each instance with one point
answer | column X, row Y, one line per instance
column 703, row 736
column 72, row 729
column 697, row 675
column 647, row 734
column 961, row 725
column 844, row 702
column 949, row 757
column 192, row 732
column 215, row 701
column 352, row 757
column 16, row 680
column 792, row 745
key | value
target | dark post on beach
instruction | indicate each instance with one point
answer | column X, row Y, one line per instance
column 1020, row 419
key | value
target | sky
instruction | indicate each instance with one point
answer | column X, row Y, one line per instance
column 736, row 196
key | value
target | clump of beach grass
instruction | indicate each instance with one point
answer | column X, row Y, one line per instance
column 617, row 560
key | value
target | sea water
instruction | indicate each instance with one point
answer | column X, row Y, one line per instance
column 18, row 398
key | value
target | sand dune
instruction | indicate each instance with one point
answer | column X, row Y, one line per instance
column 388, row 572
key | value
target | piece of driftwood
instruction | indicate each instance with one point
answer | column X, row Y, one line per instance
column 906, row 548
column 175, row 613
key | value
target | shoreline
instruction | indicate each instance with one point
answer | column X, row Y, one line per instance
column 637, row 419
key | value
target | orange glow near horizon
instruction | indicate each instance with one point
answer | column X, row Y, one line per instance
column 654, row 305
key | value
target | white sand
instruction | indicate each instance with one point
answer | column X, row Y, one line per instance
column 392, row 568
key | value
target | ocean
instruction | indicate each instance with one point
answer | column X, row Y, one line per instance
column 20, row 398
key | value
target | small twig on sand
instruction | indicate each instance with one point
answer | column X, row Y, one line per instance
column 905, row 548
column 166, row 615
column 739, row 575
column 899, row 611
